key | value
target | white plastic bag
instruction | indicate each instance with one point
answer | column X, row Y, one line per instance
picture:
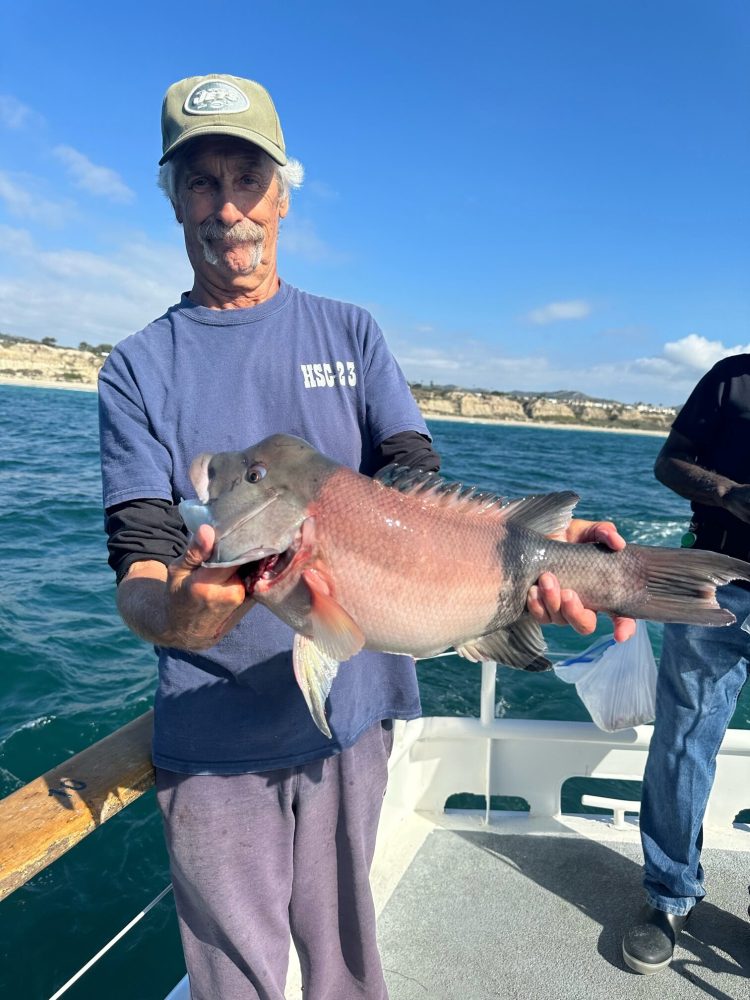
column 616, row 681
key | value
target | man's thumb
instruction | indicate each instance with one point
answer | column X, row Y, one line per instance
column 199, row 549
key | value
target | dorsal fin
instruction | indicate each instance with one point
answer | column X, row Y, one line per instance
column 435, row 489
column 546, row 513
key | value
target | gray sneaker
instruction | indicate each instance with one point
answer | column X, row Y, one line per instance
column 649, row 944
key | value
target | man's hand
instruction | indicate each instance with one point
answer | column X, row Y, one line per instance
column 185, row 605
column 204, row 604
column 548, row 604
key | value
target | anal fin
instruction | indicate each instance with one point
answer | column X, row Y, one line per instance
column 520, row 645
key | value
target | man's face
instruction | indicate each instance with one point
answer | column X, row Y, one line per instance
column 228, row 203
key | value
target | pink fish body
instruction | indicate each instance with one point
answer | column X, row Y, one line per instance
column 408, row 563
column 418, row 574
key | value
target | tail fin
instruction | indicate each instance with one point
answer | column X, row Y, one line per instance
column 681, row 584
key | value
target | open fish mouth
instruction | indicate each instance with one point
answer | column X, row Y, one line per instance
column 195, row 513
column 269, row 569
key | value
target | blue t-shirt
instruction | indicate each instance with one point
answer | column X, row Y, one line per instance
column 201, row 379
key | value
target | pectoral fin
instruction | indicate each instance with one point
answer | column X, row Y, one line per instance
column 519, row 645
column 335, row 632
column 336, row 637
column 315, row 673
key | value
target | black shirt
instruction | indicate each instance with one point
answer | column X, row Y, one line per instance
column 716, row 418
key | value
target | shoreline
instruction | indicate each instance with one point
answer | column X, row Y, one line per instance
column 40, row 383
column 541, row 424
column 546, row 425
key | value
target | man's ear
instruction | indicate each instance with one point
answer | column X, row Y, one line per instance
column 177, row 213
column 283, row 207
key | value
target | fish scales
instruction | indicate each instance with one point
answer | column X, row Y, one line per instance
column 415, row 576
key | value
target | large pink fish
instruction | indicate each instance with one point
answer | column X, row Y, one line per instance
column 409, row 563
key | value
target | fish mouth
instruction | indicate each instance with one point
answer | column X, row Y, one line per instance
column 266, row 572
column 249, row 555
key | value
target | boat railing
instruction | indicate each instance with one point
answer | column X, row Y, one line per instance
column 436, row 758
column 45, row 818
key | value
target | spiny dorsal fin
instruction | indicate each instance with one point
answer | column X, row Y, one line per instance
column 435, row 489
column 547, row 513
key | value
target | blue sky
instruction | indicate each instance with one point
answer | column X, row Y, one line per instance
column 538, row 194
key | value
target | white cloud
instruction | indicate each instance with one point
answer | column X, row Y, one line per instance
column 99, row 181
column 697, row 355
column 16, row 241
column 555, row 311
column 298, row 237
column 21, row 199
column 666, row 378
column 89, row 296
column 13, row 113
column 472, row 365
column 322, row 190
column 414, row 359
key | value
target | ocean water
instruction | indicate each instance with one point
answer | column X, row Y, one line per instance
column 72, row 673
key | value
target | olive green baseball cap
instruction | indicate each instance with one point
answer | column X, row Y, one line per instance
column 220, row 105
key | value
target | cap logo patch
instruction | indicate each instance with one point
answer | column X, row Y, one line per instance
column 215, row 97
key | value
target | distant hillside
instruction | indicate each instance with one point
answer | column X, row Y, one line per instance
column 24, row 360
column 560, row 407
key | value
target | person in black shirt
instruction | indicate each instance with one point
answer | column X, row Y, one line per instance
column 705, row 459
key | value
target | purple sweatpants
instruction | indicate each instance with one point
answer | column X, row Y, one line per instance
column 255, row 857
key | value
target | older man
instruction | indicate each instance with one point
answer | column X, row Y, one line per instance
column 270, row 826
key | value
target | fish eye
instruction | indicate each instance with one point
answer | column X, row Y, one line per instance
column 255, row 473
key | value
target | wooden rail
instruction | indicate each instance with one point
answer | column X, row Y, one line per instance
column 44, row 819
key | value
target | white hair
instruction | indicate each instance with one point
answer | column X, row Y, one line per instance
column 289, row 177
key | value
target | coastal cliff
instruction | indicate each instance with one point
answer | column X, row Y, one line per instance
column 28, row 361
column 561, row 408
column 31, row 362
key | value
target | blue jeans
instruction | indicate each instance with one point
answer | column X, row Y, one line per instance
column 701, row 673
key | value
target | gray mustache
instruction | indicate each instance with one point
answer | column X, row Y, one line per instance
column 244, row 231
